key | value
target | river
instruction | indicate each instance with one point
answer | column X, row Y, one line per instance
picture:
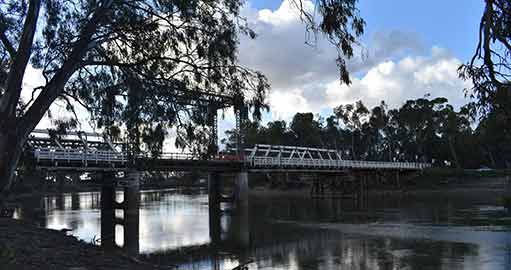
column 437, row 230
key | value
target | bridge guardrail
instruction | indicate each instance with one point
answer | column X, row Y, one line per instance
column 322, row 163
column 80, row 155
column 102, row 156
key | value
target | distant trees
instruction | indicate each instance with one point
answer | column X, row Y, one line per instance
column 424, row 129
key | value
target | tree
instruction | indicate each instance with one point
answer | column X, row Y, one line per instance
column 490, row 67
column 353, row 116
column 453, row 125
column 306, row 130
column 137, row 65
column 490, row 73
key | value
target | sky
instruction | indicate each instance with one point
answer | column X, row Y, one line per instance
column 409, row 49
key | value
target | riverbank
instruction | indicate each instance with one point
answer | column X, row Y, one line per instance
column 428, row 183
column 25, row 246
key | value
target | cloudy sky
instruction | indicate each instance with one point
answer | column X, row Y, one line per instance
column 409, row 49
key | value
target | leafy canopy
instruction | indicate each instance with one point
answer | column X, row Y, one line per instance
column 145, row 65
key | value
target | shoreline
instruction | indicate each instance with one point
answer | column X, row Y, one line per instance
column 26, row 246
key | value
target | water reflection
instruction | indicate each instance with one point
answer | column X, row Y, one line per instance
column 286, row 233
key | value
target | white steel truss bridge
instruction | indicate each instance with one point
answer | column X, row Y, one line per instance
column 92, row 151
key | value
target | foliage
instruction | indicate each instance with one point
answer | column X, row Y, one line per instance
column 490, row 67
column 424, row 129
column 340, row 23
column 139, row 66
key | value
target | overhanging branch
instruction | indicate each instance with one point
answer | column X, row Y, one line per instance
column 7, row 44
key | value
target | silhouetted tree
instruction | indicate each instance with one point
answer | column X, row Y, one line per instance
column 490, row 67
column 136, row 64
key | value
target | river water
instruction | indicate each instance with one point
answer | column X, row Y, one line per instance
column 456, row 230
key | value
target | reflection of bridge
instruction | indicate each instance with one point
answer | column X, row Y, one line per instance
column 79, row 152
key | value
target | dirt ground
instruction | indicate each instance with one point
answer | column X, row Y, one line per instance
column 24, row 246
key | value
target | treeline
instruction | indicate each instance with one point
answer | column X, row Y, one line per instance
column 424, row 129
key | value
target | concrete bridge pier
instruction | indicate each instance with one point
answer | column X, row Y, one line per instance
column 107, row 209
column 214, row 200
column 241, row 190
column 240, row 227
column 129, row 219
column 131, row 211
column 214, row 191
column 238, row 231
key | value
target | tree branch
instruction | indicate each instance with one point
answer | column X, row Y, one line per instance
column 12, row 93
column 7, row 44
column 56, row 85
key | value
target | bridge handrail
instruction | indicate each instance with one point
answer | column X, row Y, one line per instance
column 91, row 155
column 284, row 162
column 109, row 156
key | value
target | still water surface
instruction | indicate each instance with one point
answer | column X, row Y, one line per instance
column 434, row 231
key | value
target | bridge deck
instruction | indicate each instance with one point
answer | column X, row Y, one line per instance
column 73, row 159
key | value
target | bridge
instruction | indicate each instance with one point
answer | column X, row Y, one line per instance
column 88, row 151
column 115, row 166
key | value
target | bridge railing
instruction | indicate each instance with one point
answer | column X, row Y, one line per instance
column 171, row 156
column 325, row 163
column 108, row 156
column 74, row 155
column 93, row 155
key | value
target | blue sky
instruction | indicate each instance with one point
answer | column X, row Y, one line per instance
column 451, row 24
column 409, row 49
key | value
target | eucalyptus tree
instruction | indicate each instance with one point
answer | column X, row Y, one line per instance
column 306, row 130
column 490, row 67
column 136, row 64
column 353, row 116
column 378, row 120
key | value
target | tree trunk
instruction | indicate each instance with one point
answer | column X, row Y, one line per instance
column 15, row 130
column 11, row 148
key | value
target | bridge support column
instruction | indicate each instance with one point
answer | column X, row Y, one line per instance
column 240, row 227
column 131, row 213
column 107, row 210
column 241, row 190
column 214, row 199
column 214, row 191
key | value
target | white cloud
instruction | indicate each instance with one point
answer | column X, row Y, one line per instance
column 285, row 15
column 408, row 78
column 391, row 66
column 284, row 104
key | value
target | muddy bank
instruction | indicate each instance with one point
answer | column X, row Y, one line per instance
column 24, row 246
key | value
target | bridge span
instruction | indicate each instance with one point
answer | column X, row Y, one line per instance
column 93, row 152
column 79, row 152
